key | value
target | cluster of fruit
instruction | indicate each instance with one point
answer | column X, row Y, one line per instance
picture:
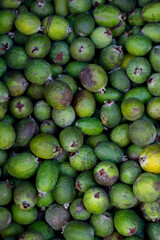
column 79, row 112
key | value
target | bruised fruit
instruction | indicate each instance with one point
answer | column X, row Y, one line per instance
column 132, row 109
column 31, row 235
column 151, row 211
column 78, row 210
column 84, row 181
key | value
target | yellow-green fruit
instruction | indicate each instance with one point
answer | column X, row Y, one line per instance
column 150, row 158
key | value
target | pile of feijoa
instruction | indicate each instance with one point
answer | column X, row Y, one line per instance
column 79, row 120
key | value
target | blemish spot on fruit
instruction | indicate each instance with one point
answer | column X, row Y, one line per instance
column 35, row 50
column 78, row 185
column 156, row 186
column 81, row 49
column 25, row 205
column 74, row 144
column 87, row 78
column 132, row 231
column 108, row 31
column 4, row 47
column 59, row 57
column 19, row 106
column 137, row 70
column 97, row 195
column 96, row 4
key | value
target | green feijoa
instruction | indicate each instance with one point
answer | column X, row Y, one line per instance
column 5, row 192
column 136, row 30
column 3, row 67
column 35, row 92
column 157, row 140
column 43, row 228
column 65, row 168
column 84, row 181
column 93, row 78
column 61, row 157
column 109, row 151
column 142, row 3
column 71, row 139
column 153, row 84
column 23, row 217
column 14, row 229
column 106, row 173
column 16, row 57
column 121, row 196
column 3, row 157
column 7, row 136
column 84, row 24
column 21, row 107
column 27, row 23
column 92, row 141
column 58, row 94
column 61, row 7
column 124, row 5
column 135, row 19
column 31, row 235
column 142, row 133
column 153, row 108
column 103, row 224
column 90, row 126
column 72, row 36
column 70, row 81
column 45, row 201
column 22, row 165
column 111, row 57
column 38, row 71
column 138, row 45
column 82, row 49
column 119, row 80
column 151, row 210
column 6, row 43
column 15, row 82
column 56, row 70
column 119, row 29
column 78, row 210
column 96, row 200
column 108, row 95
column 114, row 236
column 7, row 19
column 79, row 6
column 64, row 117
column 146, row 187
column 101, row 37
column 107, row 15
column 10, row 4
column 84, row 103
column 154, row 58
column 38, row 46
column 20, row 38
column 97, row 3
column 150, row 12
column 120, row 135
column 42, row 9
column 133, row 152
column 64, row 191
column 129, row 172
column 84, row 159
column 123, row 39
column 47, row 176
column 153, row 230
column 25, row 195
column 2, row 112
column 42, row 110
column 4, row 94
column 152, row 31
column 8, row 118
column 45, row 146
column 57, row 216
column 110, row 114
column 132, row 109
column 5, row 218
column 59, row 53
column 73, row 68
column 141, row 229
column 49, row 127
column 138, row 69
column 130, row 222
column 142, row 93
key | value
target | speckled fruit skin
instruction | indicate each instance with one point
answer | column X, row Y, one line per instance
column 151, row 210
column 5, row 218
column 90, row 126
column 31, row 235
column 132, row 109
column 7, row 136
column 150, row 12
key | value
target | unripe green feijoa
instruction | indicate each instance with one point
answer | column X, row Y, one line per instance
column 45, row 201
column 120, row 135
column 21, row 107
column 70, row 81
column 20, row 38
column 31, row 235
column 45, row 146
column 119, row 80
column 61, row 7
column 65, row 168
column 132, row 109
column 49, row 127
column 14, row 229
column 3, row 66
column 59, row 53
column 3, row 157
column 42, row 9
column 10, row 4
column 92, row 141
column 4, row 94
column 47, row 176
column 84, row 181
column 90, row 126
column 42, row 110
column 7, row 136
column 124, row 5
column 150, row 12
column 23, row 217
column 84, row 24
column 73, row 68
column 153, row 108
column 135, row 19
column 6, row 43
column 133, row 152
column 153, row 230
column 5, row 192
column 35, row 92
column 5, row 218
column 142, row 93
column 154, row 58
column 152, row 31
column 153, row 84
column 22, row 165
column 78, row 210
column 7, row 19
column 101, row 37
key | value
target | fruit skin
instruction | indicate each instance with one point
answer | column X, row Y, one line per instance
column 42, row 9
column 61, row 7
column 59, row 53
column 21, row 107
column 107, row 15
column 92, row 141
column 146, row 188
column 153, row 83
column 114, row 236
column 73, row 68
column 78, row 210
column 119, row 80
column 132, row 109
column 3, row 67
column 3, row 157
column 103, row 224
column 153, row 231
column 5, row 193
column 44, row 146
column 71, row 82
column 90, row 126
column 153, row 108
column 10, row 4
column 120, row 135
column 7, row 19
column 96, row 200
column 121, row 196
column 14, row 230
column 152, row 31
column 130, row 222
column 79, row 6
column 154, row 58
column 129, row 172
column 101, row 37
column 140, row 93
column 47, row 176
column 7, row 136
column 4, row 94
column 31, row 235
column 106, row 173
column 135, row 19
column 84, row 24
column 5, row 218
column 150, row 12
column 35, row 92
column 84, row 181
column 151, row 210
column 42, row 110
column 149, row 158
column 22, row 165
column 45, row 201
column 84, row 159
column 5, row 43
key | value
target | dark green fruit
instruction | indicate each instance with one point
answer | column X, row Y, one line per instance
column 119, row 29
column 3, row 157
column 20, row 38
column 78, row 230
column 90, row 126
column 71, row 82
column 42, row 110
column 84, row 181
column 3, row 66
column 79, row 6
column 78, row 210
column 150, row 12
column 7, row 19
column 84, row 24
column 4, row 94
column 59, row 53
column 13, row 230
column 114, row 236
column 108, row 95
column 45, row 200
column 7, row 136
column 45, row 146
column 31, row 235
column 153, row 83
column 42, row 228
column 61, row 7
column 35, row 92
column 49, row 127
column 5, row 218
column 153, row 231
column 61, row 157
column 5, row 192
column 133, row 152
column 119, row 80
column 5, row 43
column 154, row 58
column 73, row 68
column 140, row 93
column 92, row 141
column 153, row 108
column 42, row 9
column 66, row 169
column 21, row 107
column 56, row 70
column 135, row 19
column 124, row 5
